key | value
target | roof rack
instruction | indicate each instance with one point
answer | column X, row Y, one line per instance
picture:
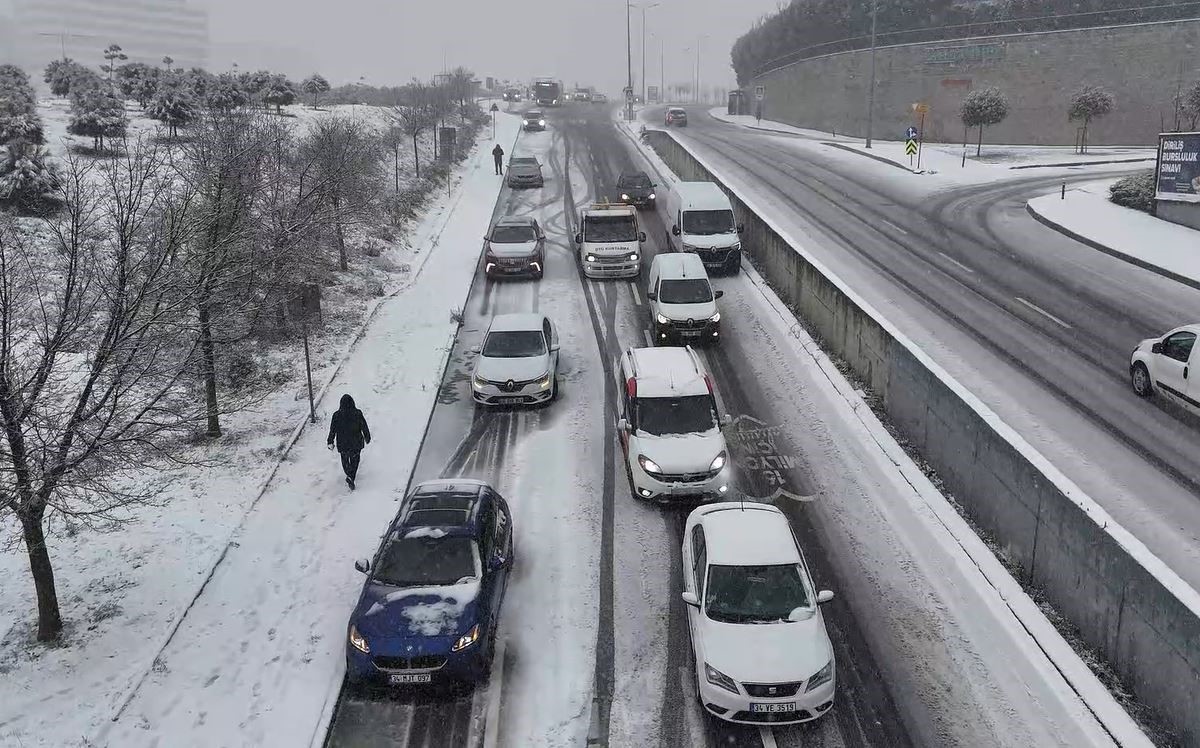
column 604, row 204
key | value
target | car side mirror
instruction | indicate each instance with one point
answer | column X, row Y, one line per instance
column 675, row 229
column 623, row 425
column 579, row 238
column 362, row 565
column 1156, row 348
column 554, row 346
column 497, row 563
column 718, row 294
column 741, row 227
column 824, row 596
column 641, row 236
column 691, row 599
column 476, row 349
column 651, row 295
column 726, row 420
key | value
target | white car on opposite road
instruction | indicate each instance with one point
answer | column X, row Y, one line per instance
column 1169, row 364
column 762, row 654
column 518, row 361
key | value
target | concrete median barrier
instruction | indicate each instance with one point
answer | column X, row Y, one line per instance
column 1123, row 600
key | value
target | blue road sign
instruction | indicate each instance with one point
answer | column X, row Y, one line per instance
column 910, row 133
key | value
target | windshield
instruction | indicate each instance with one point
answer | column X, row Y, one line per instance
column 706, row 222
column 663, row 416
column 427, row 561
column 523, row 161
column 685, row 291
column 514, row 344
column 609, row 229
column 754, row 594
column 636, row 180
column 533, row 115
column 513, row 234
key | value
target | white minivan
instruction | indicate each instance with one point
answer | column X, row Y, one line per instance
column 683, row 305
column 1166, row 364
column 703, row 223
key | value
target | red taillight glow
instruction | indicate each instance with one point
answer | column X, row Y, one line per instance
column 631, row 387
column 708, row 382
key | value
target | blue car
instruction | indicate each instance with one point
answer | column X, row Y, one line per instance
column 429, row 609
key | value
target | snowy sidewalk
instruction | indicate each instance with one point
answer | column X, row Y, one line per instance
column 258, row 657
column 1087, row 215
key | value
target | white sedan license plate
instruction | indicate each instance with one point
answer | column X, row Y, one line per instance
column 789, row 706
column 511, row 400
column 691, row 333
column 401, row 678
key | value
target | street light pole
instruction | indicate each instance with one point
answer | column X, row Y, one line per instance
column 871, row 94
column 628, row 64
column 645, row 7
column 698, row 69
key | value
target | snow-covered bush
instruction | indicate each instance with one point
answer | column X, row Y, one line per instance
column 18, row 107
column 173, row 103
column 97, row 113
column 60, row 74
column 27, row 178
column 1134, row 191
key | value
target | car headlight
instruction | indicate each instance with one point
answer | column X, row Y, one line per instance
column 649, row 465
column 466, row 639
column 715, row 318
column 591, row 258
column 718, row 462
column 717, row 678
column 358, row 642
column 624, row 196
column 544, row 382
column 479, row 382
column 653, row 196
column 541, row 123
column 661, row 319
column 823, row 676
column 633, row 257
column 736, row 245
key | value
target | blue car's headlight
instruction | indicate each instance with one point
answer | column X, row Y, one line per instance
column 358, row 641
column 466, row 639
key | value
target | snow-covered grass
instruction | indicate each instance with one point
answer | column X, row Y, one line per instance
column 125, row 591
column 1087, row 213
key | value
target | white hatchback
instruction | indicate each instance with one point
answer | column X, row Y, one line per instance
column 762, row 653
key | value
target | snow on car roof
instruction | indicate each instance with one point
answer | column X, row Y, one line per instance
column 515, row 221
column 516, row 321
column 747, row 534
column 667, row 372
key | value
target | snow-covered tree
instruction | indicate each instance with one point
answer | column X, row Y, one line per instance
column 26, row 176
column 97, row 113
column 315, row 86
column 18, row 107
column 254, row 83
column 59, row 74
column 138, row 81
column 346, row 154
column 1089, row 103
column 113, row 55
column 225, row 93
column 168, row 61
column 982, row 108
column 173, row 104
column 279, row 92
column 200, row 80
column 1189, row 105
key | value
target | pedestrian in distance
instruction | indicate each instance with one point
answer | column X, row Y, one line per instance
column 498, row 157
column 348, row 427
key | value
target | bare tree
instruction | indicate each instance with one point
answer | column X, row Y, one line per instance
column 95, row 354
column 224, row 165
column 347, row 157
column 413, row 119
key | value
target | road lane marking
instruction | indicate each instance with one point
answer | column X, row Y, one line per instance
column 491, row 721
column 649, row 339
column 1043, row 312
column 637, row 295
column 889, row 223
column 956, row 262
column 767, row 735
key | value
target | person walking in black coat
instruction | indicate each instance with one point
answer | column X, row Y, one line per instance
column 349, row 428
column 498, row 157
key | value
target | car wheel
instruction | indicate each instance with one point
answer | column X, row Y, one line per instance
column 1140, row 378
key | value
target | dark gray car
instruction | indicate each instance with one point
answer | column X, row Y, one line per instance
column 525, row 171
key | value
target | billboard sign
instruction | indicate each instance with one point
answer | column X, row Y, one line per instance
column 652, row 93
column 1178, row 169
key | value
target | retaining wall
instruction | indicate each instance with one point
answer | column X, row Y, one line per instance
column 1125, row 603
column 1141, row 64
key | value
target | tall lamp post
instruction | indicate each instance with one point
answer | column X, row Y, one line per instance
column 662, row 68
column 645, row 7
column 871, row 93
column 628, row 64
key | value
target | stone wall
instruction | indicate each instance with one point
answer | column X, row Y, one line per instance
column 1141, row 65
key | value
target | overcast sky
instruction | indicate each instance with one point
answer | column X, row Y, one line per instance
column 391, row 41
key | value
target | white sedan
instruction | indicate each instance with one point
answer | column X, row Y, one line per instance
column 518, row 361
column 762, row 653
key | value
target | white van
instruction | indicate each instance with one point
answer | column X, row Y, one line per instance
column 683, row 306
column 610, row 241
column 703, row 223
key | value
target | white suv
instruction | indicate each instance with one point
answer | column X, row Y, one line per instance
column 761, row 650
column 669, row 427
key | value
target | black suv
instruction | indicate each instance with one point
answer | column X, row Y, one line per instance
column 534, row 119
column 635, row 188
